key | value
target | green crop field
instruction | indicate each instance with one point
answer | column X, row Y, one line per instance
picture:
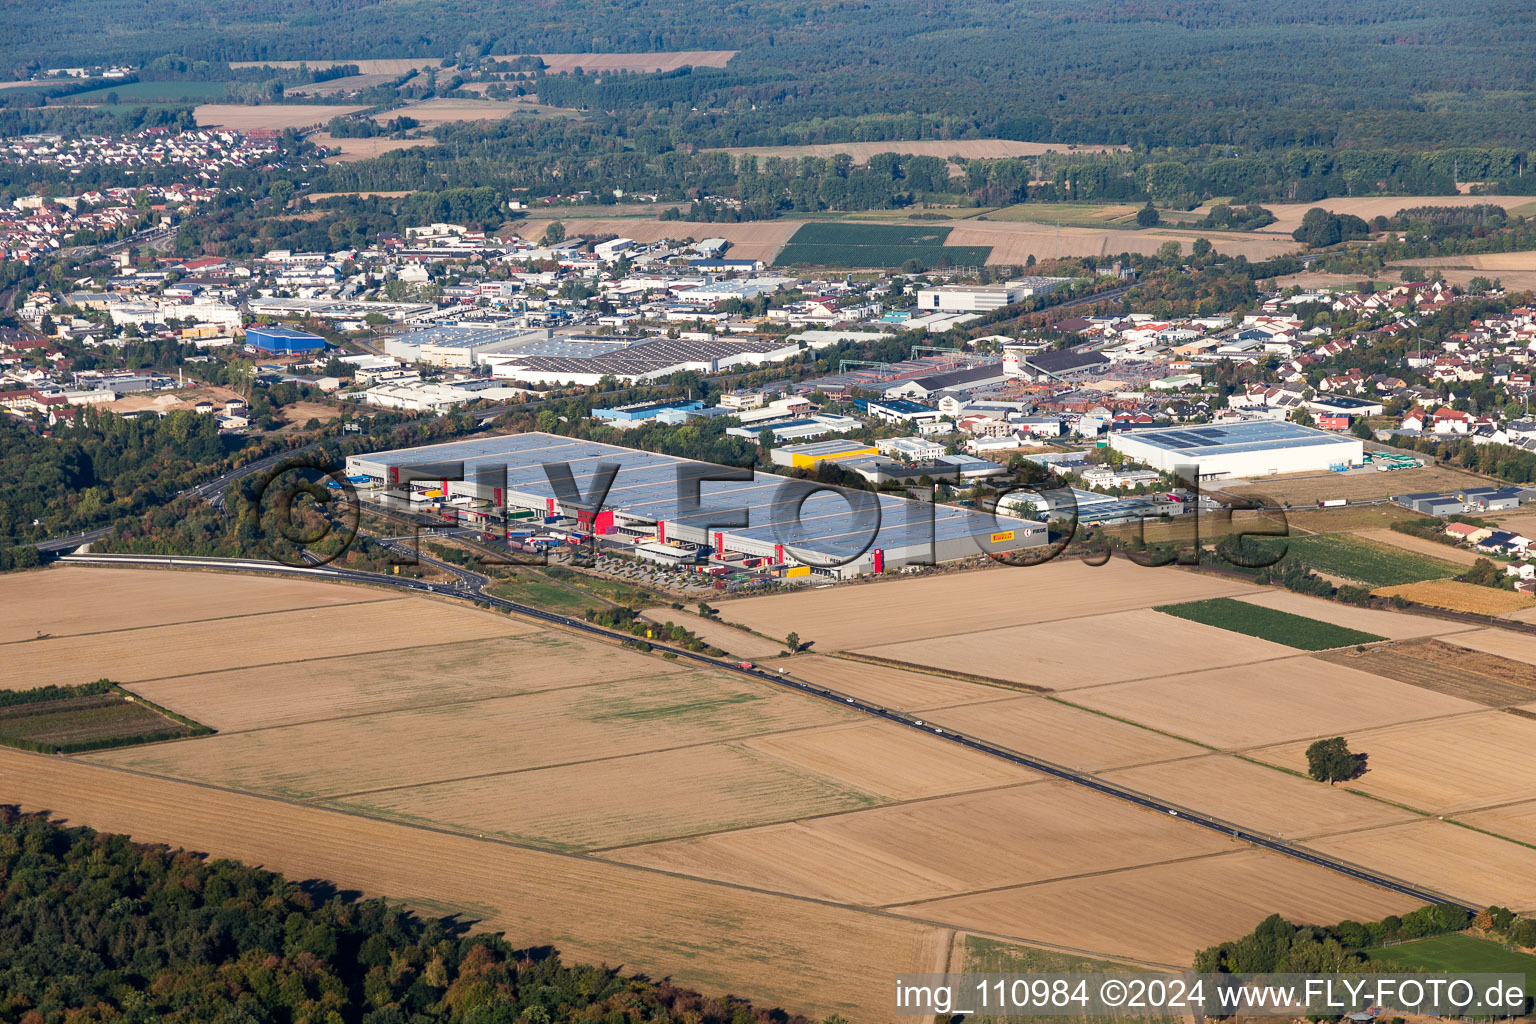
column 1375, row 565
column 1455, row 953
column 882, row 256
column 143, row 92
column 90, row 717
column 1268, row 624
column 527, row 588
column 846, row 233
column 851, row 244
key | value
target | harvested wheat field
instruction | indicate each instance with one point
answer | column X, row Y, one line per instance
column 807, row 957
column 440, row 110
column 1514, row 821
column 1503, row 642
column 1067, row 735
column 759, row 240
column 347, row 83
column 1461, row 597
column 1288, row 215
column 1290, row 699
column 367, row 684
column 890, row 761
column 1441, row 766
column 70, row 600
column 1013, row 242
column 936, row 848
column 498, row 735
column 1229, row 787
column 1392, row 625
column 852, row 617
column 1419, row 545
column 343, row 150
column 1523, row 260
column 1084, row 651
column 277, row 116
column 891, row 687
column 965, row 149
column 737, row 642
column 1166, row 912
column 1464, row 864
column 619, row 801
column 290, row 637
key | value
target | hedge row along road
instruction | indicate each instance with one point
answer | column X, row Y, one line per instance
column 465, row 591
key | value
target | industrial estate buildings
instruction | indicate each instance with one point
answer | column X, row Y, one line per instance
column 1246, row 448
column 679, row 512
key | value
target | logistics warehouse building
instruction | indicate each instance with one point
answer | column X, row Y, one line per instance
column 1249, row 448
column 793, row 523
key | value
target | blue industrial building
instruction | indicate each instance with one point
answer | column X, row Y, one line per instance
column 282, row 340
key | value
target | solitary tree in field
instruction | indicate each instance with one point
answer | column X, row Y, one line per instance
column 792, row 642
column 1332, row 761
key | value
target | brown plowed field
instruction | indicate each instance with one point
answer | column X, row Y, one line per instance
column 1072, row 653
column 1296, row 698
column 1439, row 766
column 1502, row 642
column 806, row 957
column 154, row 652
column 1166, row 912
column 1446, row 668
column 73, row 599
column 939, row 848
column 849, row 618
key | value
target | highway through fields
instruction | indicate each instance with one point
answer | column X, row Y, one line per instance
column 465, row 589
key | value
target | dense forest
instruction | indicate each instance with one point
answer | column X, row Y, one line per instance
column 1187, row 72
column 94, row 927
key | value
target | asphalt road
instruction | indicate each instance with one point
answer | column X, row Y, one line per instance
column 466, row 590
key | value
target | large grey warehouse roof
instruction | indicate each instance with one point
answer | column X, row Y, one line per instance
column 1233, row 438
column 646, row 486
